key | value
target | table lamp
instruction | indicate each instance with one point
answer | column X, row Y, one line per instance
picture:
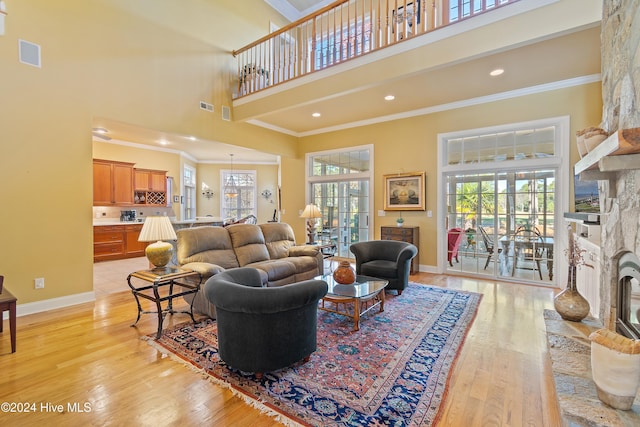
column 311, row 213
column 156, row 229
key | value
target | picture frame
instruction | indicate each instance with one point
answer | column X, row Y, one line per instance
column 405, row 191
column 398, row 17
column 586, row 196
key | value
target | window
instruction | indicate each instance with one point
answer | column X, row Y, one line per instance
column 189, row 192
column 339, row 184
column 503, row 193
column 244, row 203
column 459, row 9
column 340, row 44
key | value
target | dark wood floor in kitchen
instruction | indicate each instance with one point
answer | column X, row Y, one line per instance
column 89, row 353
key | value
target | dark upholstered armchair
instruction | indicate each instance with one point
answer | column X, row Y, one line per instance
column 385, row 259
column 263, row 329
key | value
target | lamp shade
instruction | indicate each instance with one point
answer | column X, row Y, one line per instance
column 311, row 211
column 157, row 228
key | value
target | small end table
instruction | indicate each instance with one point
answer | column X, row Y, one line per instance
column 8, row 302
column 188, row 280
column 328, row 251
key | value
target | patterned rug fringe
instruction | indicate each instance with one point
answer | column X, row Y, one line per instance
column 203, row 373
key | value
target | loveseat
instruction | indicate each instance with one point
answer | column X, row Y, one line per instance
column 271, row 248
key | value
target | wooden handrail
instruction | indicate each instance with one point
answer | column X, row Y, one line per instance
column 335, row 33
column 289, row 26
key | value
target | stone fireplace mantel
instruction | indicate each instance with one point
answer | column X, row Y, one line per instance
column 615, row 164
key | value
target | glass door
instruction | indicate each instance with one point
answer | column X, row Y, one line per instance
column 504, row 199
column 345, row 213
column 502, row 224
column 339, row 184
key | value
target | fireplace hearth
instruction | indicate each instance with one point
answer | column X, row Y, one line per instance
column 628, row 296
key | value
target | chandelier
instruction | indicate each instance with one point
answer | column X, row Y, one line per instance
column 230, row 187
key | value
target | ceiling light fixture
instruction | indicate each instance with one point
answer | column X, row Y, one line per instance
column 389, row 98
column 230, row 188
column 100, row 130
column 316, row 114
column 496, row 72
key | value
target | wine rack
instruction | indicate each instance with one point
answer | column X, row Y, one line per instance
column 157, row 198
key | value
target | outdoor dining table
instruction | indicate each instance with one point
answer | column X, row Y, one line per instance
column 546, row 243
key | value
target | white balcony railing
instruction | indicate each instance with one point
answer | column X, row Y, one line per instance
column 344, row 30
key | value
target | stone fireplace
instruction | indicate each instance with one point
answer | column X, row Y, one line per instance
column 620, row 191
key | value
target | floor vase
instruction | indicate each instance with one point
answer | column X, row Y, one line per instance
column 615, row 368
column 569, row 303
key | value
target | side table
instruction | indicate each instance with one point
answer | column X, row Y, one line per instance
column 328, row 251
column 188, row 280
column 8, row 303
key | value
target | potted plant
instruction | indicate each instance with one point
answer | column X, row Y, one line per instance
column 400, row 220
column 251, row 70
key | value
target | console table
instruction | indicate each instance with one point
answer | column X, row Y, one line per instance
column 404, row 234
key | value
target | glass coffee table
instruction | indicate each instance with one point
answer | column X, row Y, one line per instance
column 356, row 299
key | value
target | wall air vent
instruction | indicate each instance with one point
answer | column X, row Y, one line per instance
column 226, row 113
column 206, row 106
column 29, row 53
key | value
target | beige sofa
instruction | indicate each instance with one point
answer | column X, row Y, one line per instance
column 271, row 248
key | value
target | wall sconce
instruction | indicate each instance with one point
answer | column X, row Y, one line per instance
column 266, row 194
column 206, row 191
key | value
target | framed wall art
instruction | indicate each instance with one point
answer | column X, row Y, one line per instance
column 405, row 192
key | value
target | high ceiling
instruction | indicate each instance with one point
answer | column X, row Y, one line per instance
column 436, row 73
column 296, row 9
column 537, row 44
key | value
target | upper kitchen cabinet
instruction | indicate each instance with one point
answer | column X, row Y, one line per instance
column 150, row 187
column 112, row 183
column 150, row 180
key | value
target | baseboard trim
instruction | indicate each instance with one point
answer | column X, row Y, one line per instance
column 428, row 269
column 52, row 304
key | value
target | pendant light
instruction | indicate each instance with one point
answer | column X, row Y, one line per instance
column 230, row 188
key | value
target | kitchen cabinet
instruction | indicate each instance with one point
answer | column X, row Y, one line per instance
column 150, row 180
column 150, row 187
column 108, row 243
column 112, row 183
column 404, row 234
column 132, row 246
column 117, row 242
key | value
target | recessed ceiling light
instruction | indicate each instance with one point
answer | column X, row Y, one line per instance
column 192, row 138
column 316, row 114
column 100, row 130
column 496, row 72
column 389, row 98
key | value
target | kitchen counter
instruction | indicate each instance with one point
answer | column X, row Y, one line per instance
column 177, row 224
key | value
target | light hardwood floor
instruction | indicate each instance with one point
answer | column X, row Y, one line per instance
column 89, row 354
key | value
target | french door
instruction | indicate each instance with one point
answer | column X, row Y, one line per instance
column 504, row 190
column 502, row 224
column 339, row 185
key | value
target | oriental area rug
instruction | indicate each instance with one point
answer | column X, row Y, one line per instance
column 394, row 371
